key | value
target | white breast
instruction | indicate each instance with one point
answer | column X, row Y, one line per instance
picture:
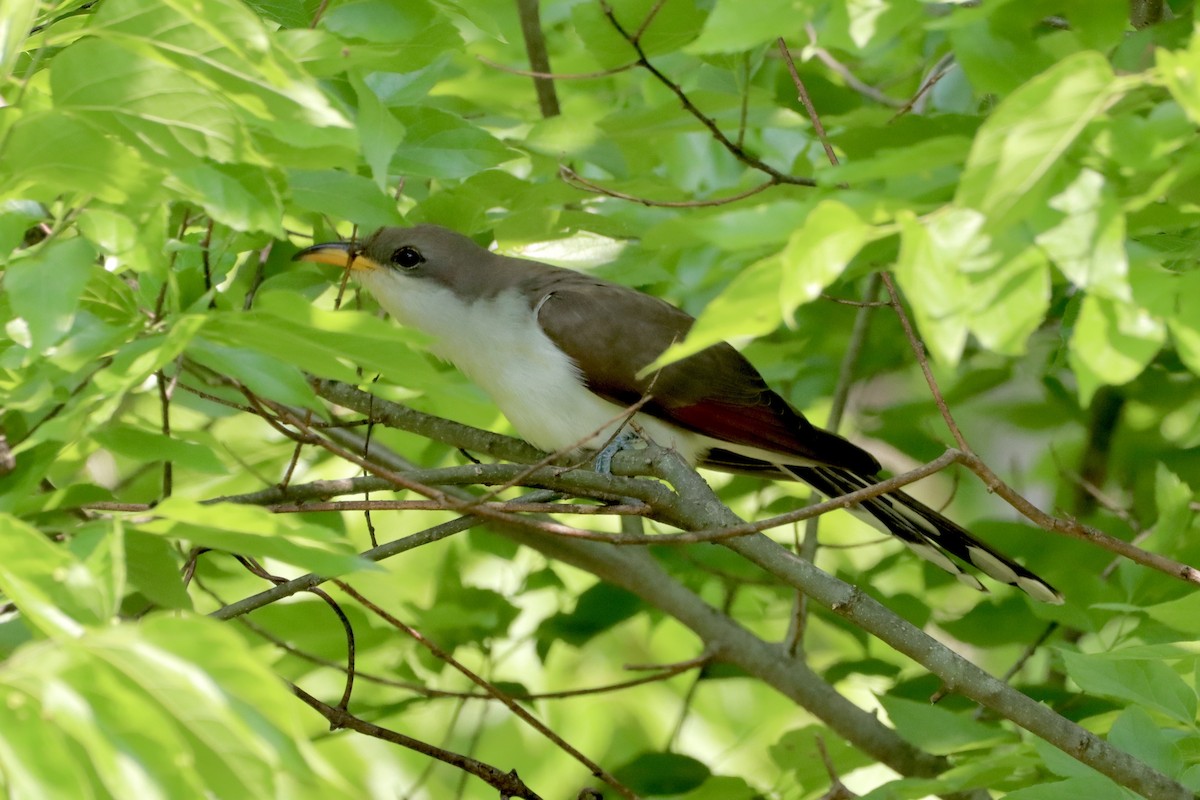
column 498, row 344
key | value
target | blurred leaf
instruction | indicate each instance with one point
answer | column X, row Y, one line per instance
column 1093, row 787
column 598, row 609
column 148, row 448
column 797, row 752
column 1180, row 71
column 662, row 773
column 256, row 532
column 55, row 591
column 730, row 29
column 174, row 706
column 153, row 567
column 16, row 18
column 45, row 288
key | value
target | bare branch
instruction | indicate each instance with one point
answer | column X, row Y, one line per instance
column 491, row 689
column 507, row 783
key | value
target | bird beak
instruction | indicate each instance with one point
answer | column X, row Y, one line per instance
column 346, row 255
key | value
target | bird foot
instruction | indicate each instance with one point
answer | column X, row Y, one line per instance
column 622, row 441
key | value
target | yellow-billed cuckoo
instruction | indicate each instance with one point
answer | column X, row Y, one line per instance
column 561, row 354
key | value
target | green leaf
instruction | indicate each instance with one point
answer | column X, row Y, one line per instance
column 798, row 753
column 938, row 730
column 45, row 288
column 930, row 268
column 342, row 196
column 1010, row 301
column 1173, row 499
column 1147, row 682
column 331, row 344
column 36, row 756
column 174, row 706
column 1093, row 787
column 252, row 531
column 662, row 773
column 749, row 306
column 55, row 591
column 379, row 132
column 153, row 568
column 730, row 29
column 440, row 145
column 1112, row 343
column 58, row 152
column 1088, row 245
column 221, row 45
column 168, row 115
column 261, row 374
column 1179, row 70
column 1022, row 143
column 246, row 198
column 1138, row 734
column 149, row 447
column 1185, row 324
column 598, row 609
column 819, row 251
column 18, row 17
column 723, row 787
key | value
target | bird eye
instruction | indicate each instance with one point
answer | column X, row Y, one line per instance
column 407, row 257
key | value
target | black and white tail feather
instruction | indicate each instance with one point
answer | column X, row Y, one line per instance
column 929, row 534
column 926, row 532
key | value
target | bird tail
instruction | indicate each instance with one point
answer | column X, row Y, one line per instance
column 929, row 534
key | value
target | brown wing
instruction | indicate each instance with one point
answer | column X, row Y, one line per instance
column 612, row 331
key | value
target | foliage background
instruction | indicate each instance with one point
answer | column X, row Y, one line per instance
column 1026, row 171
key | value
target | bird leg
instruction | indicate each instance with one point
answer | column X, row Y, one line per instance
column 624, row 439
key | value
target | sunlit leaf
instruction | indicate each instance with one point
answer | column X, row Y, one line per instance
column 1020, row 145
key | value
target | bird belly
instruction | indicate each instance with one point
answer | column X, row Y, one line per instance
column 497, row 343
column 542, row 392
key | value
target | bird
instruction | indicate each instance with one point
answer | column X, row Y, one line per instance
column 563, row 355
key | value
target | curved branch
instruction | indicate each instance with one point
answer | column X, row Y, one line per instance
column 509, row 784
column 734, row 149
column 1069, row 527
column 957, row 673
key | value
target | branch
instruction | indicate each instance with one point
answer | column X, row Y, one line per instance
column 509, row 784
column 1072, row 528
column 491, row 689
column 539, row 58
column 957, row 673
column 733, row 148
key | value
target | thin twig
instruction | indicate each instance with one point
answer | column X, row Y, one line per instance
column 490, row 688
column 968, row 458
column 507, row 783
column 802, row 94
column 841, row 394
column 574, row 178
column 737, row 152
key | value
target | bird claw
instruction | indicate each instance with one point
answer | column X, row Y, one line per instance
column 622, row 441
